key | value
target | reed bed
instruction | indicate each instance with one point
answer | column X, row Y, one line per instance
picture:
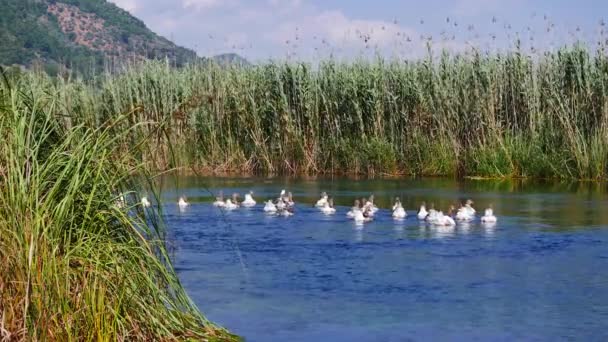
column 510, row 114
column 77, row 262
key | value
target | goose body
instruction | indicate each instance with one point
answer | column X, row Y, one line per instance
column 328, row 208
column 488, row 216
column 285, row 212
column 182, row 203
column 229, row 205
column 444, row 220
column 322, row 201
column 249, row 201
column 270, row 207
column 432, row 216
column 354, row 209
column 398, row 211
column 370, row 205
column 422, row 213
column 233, row 203
column 145, row 202
column 281, row 205
column 289, row 201
column 219, row 200
column 359, row 217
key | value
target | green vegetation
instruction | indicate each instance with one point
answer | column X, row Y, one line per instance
column 31, row 34
column 508, row 115
column 74, row 264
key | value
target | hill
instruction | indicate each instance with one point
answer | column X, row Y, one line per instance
column 83, row 35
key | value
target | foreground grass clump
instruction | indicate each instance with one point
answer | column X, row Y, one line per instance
column 74, row 265
column 505, row 114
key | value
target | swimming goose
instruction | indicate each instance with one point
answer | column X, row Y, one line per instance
column 144, row 202
column 328, row 208
column 219, row 200
column 233, row 203
column 322, row 201
column 444, row 220
column 281, row 203
column 289, row 201
column 249, row 201
column 488, row 216
column 398, row 211
column 182, row 203
column 422, row 213
column 371, row 205
column 354, row 209
column 286, row 212
column 466, row 212
column 270, row 207
column 433, row 215
column 360, row 217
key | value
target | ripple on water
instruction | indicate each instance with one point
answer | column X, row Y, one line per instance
column 316, row 277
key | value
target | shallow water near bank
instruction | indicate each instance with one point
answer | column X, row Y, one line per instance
column 540, row 273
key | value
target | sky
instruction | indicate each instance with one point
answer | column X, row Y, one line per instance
column 312, row 29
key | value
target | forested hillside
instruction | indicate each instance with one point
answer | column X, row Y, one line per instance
column 82, row 35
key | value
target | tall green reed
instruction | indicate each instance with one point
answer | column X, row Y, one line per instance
column 75, row 265
column 507, row 114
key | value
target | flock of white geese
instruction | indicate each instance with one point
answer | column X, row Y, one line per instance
column 362, row 211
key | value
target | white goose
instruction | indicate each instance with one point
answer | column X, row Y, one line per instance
column 422, row 213
column 290, row 202
column 360, row 218
column 488, row 216
column 145, row 202
column 398, row 211
column 322, row 201
column 182, row 203
column 432, row 216
column 444, row 220
column 354, row 209
column 466, row 212
column 249, row 201
column 328, row 208
column 281, row 205
column 219, row 200
column 270, row 207
column 232, row 204
column 285, row 212
column 370, row 204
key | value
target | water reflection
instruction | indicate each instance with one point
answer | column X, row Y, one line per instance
column 443, row 232
column 358, row 232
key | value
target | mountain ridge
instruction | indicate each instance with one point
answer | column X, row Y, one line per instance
column 83, row 35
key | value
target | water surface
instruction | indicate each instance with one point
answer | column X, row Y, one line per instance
column 541, row 273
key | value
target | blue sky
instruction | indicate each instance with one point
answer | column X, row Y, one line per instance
column 310, row 29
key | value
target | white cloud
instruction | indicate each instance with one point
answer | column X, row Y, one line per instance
column 202, row 4
column 336, row 28
column 128, row 5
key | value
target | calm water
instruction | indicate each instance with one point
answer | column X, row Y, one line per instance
column 540, row 274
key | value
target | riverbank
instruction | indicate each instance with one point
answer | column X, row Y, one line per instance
column 79, row 261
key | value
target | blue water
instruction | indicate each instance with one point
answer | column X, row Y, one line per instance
column 541, row 273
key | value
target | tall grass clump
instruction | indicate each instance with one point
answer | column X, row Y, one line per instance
column 76, row 262
column 505, row 114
